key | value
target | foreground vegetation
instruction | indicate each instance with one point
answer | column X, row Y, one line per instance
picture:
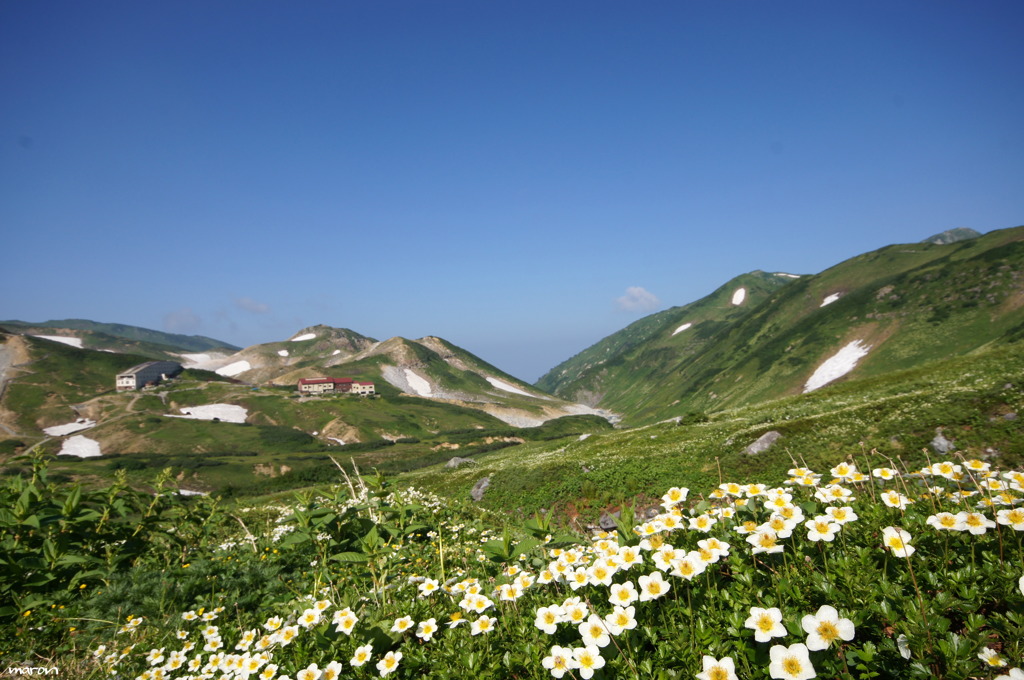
column 851, row 574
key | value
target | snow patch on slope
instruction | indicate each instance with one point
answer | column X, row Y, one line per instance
column 417, row 383
column 234, row 369
column 282, row 352
column 502, row 385
column 80, row 446
column 837, row 365
column 69, row 428
column 74, row 342
column 682, row 328
column 739, row 296
column 830, row 299
column 304, row 336
column 227, row 413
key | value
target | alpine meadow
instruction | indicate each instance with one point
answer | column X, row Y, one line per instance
column 713, row 510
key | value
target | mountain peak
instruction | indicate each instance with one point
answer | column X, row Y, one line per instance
column 952, row 236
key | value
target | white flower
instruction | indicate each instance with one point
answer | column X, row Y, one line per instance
column 947, row 521
column 764, row 540
column 898, row 541
column 588, row 659
column 485, row 624
column 653, row 586
column 977, row 523
column 559, row 661
column 688, row 566
column 1014, row 674
column 991, row 658
column 310, row 672
column 903, row 644
column 402, row 624
column 622, row 618
column 426, row 629
column 331, row 671
column 766, row 623
column 548, row 618
column 717, row 669
column 362, row 655
column 389, row 663
column 790, row 663
column 674, row 496
column 894, row 499
column 594, row 632
column 825, row 627
column 821, row 529
column 623, row 594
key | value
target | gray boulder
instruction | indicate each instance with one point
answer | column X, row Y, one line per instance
column 763, row 443
column 942, row 445
column 456, row 462
column 477, row 493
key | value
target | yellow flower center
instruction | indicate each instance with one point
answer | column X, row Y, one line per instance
column 792, row 665
column 765, row 623
column 828, row 631
column 718, row 673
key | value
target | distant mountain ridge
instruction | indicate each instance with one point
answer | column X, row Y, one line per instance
column 429, row 368
column 120, row 337
column 892, row 308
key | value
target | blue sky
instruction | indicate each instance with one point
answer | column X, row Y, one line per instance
column 498, row 174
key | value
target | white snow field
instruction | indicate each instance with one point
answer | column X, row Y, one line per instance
column 788, row 276
column 739, row 296
column 282, row 352
column 69, row 428
column 682, row 328
column 418, row 384
column 234, row 369
column 227, row 413
column 830, row 299
column 502, row 385
column 80, row 446
column 837, row 365
column 335, row 352
column 304, row 336
column 74, row 342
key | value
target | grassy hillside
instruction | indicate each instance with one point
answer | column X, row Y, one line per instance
column 869, row 421
column 906, row 304
column 604, row 372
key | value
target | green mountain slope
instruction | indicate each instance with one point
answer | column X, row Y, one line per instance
column 615, row 371
column 903, row 305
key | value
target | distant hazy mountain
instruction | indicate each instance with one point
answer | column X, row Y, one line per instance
column 895, row 307
column 116, row 337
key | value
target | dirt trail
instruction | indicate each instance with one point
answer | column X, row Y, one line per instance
column 6, row 361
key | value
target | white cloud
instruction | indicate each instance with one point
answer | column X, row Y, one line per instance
column 182, row 320
column 250, row 305
column 638, row 299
